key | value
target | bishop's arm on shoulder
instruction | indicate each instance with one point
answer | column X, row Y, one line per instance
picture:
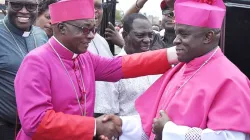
column 135, row 65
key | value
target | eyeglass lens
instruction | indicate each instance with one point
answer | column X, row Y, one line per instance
column 16, row 6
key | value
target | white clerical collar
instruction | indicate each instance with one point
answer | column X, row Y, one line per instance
column 26, row 34
column 74, row 56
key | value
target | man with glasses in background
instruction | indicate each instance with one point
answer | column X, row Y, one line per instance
column 17, row 38
column 167, row 32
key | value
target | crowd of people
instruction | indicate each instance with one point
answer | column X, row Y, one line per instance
column 60, row 81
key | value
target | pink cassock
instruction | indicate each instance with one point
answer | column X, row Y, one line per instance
column 217, row 97
column 46, row 100
column 62, row 97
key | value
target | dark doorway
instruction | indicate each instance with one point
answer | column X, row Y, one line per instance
column 236, row 37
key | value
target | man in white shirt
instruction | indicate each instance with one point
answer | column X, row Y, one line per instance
column 137, row 36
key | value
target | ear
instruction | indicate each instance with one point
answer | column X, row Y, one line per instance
column 209, row 37
column 62, row 28
column 124, row 34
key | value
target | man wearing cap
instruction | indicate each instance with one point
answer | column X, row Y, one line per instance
column 55, row 85
column 167, row 33
column 204, row 97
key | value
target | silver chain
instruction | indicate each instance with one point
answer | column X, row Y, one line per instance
column 77, row 97
column 21, row 51
column 198, row 69
column 96, row 47
column 194, row 74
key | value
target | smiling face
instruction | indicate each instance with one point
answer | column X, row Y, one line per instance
column 22, row 13
column 192, row 42
column 140, row 36
column 76, row 35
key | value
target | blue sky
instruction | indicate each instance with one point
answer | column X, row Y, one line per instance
column 152, row 7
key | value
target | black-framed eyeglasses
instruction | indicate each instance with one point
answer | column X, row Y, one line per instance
column 84, row 30
column 168, row 13
column 17, row 6
column 99, row 6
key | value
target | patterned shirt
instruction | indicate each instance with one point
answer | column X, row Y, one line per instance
column 104, row 101
column 128, row 90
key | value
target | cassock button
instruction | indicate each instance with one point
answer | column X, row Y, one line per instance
column 82, row 91
column 82, row 101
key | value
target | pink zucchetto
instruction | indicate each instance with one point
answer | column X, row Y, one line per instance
column 200, row 13
column 66, row 10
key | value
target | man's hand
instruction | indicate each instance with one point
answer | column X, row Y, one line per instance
column 108, row 127
column 141, row 3
column 113, row 35
column 159, row 125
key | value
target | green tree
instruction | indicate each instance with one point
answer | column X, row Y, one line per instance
column 118, row 15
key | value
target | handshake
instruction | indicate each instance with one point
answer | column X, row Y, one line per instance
column 108, row 127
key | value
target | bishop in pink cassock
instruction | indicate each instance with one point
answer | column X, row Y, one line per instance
column 55, row 88
column 205, row 97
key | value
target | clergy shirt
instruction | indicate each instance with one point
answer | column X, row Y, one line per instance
column 10, row 60
column 128, row 90
column 105, row 101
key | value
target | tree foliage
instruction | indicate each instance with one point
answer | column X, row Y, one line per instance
column 118, row 15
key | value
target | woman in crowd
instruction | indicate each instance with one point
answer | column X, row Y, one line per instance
column 43, row 19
